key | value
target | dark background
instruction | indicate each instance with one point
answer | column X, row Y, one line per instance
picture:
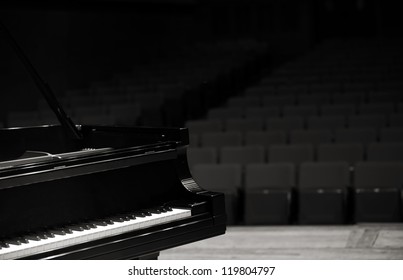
column 74, row 43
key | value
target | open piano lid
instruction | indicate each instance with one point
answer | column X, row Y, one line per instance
column 86, row 173
column 30, row 146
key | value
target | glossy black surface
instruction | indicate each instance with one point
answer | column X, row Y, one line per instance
column 145, row 173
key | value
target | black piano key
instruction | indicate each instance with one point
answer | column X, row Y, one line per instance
column 4, row 245
column 13, row 242
column 108, row 221
column 167, row 208
column 100, row 223
column 57, row 232
column 131, row 216
column 87, row 225
column 138, row 214
column 76, row 228
column 67, row 230
column 125, row 217
column 48, row 234
column 117, row 219
column 90, row 225
column 22, row 240
column 34, row 237
column 154, row 211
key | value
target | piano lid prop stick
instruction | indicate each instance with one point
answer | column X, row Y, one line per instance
column 65, row 121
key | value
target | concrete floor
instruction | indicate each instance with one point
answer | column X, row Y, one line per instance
column 364, row 242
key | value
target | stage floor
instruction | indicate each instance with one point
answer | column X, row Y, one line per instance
column 364, row 242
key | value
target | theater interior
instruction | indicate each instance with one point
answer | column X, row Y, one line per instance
column 294, row 110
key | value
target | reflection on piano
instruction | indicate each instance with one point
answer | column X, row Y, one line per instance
column 95, row 192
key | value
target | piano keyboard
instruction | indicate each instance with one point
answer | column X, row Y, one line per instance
column 85, row 232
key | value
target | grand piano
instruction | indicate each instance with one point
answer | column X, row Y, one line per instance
column 95, row 192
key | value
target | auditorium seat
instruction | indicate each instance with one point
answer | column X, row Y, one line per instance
column 226, row 178
column 322, row 191
column 225, row 113
column 294, row 153
column 385, row 152
column 396, row 120
column 285, row 123
column 221, row 139
column 23, row 118
column 349, row 98
column 260, row 90
column 300, row 110
column 125, row 114
column 194, row 140
column 262, row 112
column 314, row 99
column 313, row 136
column 376, row 108
column 326, row 122
column 83, row 111
column 265, row 138
column 337, row 110
column 72, row 101
column 110, row 99
column 348, row 152
column 356, row 135
column 243, row 125
column 268, row 193
column 201, row 126
column 363, row 121
column 391, row 134
column 201, row 155
column 244, row 101
column 278, row 100
column 242, row 155
column 292, row 88
column 358, row 86
column 325, row 88
column 47, row 116
column 382, row 96
column 377, row 191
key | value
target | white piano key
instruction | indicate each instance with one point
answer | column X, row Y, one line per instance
column 79, row 237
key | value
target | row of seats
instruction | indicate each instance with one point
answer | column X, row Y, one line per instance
column 366, row 66
column 298, row 136
column 345, row 110
column 289, row 123
column 317, row 86
column 281, row 141
column 161, row 92
column 312, row 81
column 313, row 193
column 373, row 101
column 296, row 153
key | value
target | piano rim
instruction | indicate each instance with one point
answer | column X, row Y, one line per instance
column 62, row 169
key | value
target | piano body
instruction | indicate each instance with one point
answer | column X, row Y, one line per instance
column 119, row 193
column 94, row 192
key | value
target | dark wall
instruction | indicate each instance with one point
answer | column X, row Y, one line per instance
column 357, row 18
column 72, row 47
column 73, row 43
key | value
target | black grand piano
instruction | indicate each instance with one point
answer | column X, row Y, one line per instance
column 94, row 192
